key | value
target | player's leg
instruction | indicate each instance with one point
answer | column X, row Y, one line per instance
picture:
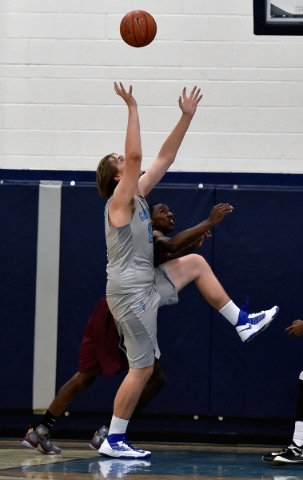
column 137, row 315
column 155, row 383
column 38, row 435
column 130, row 391
column 124, row 405
column 195, row 268
column 298, row 432
column 294, row 452
column 70, row 390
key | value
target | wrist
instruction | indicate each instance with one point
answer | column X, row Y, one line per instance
column 188, row 116
column 132, row 106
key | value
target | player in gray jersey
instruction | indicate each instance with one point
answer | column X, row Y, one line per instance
column 135, row 289
column 131, row 257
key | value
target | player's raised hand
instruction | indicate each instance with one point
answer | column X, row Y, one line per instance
column 219, row 211
column 296, row 329
column 127, row 96
column 198, row 243
column 188, row 104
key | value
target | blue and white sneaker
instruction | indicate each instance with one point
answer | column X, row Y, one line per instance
column 117, row 468
column 115, row 446
column 249, row 325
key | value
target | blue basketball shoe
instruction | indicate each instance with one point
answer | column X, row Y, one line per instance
column 249, row 325
column 115, row 446
column 117, row 468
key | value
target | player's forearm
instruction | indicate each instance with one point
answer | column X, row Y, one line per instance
column 173, row 142
column 133, row 137
column 187, row 237
column 183, row 252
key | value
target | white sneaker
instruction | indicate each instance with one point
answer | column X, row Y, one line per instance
column 117, row 468
column 255, row 323
column 115, row 446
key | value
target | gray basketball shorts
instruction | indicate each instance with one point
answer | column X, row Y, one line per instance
column 136, row 315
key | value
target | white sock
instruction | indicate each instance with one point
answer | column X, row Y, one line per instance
column 298, row 434
column 117, row 426
column 231, row 312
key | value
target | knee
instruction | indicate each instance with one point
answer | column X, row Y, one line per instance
column 148, row 372
column 198, row 263
column 84, row 380
column 144, row 374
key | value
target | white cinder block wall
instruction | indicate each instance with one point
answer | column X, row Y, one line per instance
column 59, row 59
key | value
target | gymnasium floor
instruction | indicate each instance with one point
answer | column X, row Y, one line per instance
column 168, row 462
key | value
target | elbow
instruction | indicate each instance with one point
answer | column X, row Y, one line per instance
column 135, row 157
column 172, row 248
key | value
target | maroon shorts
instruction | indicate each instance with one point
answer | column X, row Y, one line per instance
column 100, row 352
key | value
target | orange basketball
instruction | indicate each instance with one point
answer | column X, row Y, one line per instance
column 138, row 28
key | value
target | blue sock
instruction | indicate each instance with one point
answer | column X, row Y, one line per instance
column 242, row 319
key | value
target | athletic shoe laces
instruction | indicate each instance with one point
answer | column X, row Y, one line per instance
column 122, row 445
column 297, row 451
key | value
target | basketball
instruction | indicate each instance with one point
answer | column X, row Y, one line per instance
column 138, row 28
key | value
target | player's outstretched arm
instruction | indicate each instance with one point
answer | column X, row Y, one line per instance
column 168, row 151
column 186, row 238
column 296, row 329
column 120, row 208
column 191, row 248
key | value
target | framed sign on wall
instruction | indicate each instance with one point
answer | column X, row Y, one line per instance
column 278, row 17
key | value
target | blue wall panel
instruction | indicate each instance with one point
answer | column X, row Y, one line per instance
column 82, row 284
column 18, row 252
column 83, row 281
column 259, row 257
column 184, row 328
column 256, row 253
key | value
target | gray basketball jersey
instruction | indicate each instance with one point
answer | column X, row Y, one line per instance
column 130, row 252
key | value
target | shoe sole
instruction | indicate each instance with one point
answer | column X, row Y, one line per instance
column 263, row 327
column 273, row 463
column 279, row 461
column 28, row 445
column 40, row 450
column 125, row 457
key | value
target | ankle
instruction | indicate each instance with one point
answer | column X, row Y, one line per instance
column 116, row 437
column 242, row 319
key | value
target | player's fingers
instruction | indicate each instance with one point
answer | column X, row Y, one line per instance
column 192, row 93
column 196, row 93
column 117, row 90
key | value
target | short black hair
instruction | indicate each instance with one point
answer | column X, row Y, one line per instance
column 152, row 207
